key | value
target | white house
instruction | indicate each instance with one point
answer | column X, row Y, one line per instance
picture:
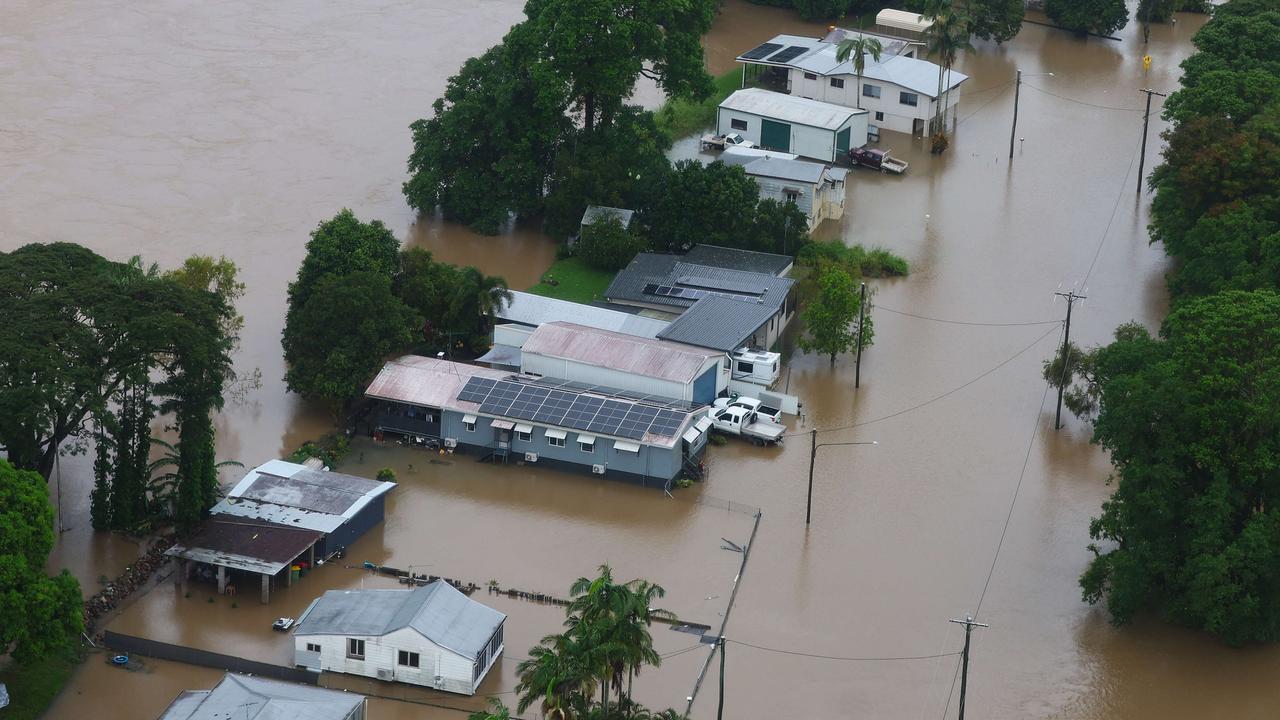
column 244, row 697
column 901, row 92
column 817, row 190
column 777, row 121
column 431, row 635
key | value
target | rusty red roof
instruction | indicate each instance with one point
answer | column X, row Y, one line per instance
column 424, row 381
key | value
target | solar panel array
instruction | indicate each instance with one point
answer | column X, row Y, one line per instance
column 685, row 293
column 571, row 409
column 658, row 400
column 789, row 54
column 761, row 51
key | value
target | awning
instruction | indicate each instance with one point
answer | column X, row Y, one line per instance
column 691, row 435
column 587, row 439
column 504, row 355
column 502, row 424
column 703, row 423
column 625, row 446
column 554, row 433
column 469, row 419
column 524, row 428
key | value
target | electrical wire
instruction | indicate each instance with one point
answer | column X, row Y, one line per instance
column 837, row 657
column 966, row 322
column 980, row 108
column 1082, row 102
column 1098, row 253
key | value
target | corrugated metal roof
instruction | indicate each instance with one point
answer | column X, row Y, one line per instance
column 594, row 213
column 238, row 697
column 888, row 45
column 438, row 611
column 646, row 268
column 788, row 108
column 639, row 356
column 903, row 20
column 918, row 76
column 735, row 259
column 797, row 170
column 534, row 310
column 280, row 482
column 245, row 544
column 719, row 323
column 426, row 382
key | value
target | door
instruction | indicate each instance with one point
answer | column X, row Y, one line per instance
column 775, row 135
column 704, row 388
column 842, row 142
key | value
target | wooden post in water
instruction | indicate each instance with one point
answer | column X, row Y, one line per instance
column 1146, row 120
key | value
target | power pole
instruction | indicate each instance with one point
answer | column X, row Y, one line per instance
column 1017, row 85
column 1071, row 297
column 969, row 625
column 1146, row 118
column 720, row 705
column 862, row 313
column 813, row 454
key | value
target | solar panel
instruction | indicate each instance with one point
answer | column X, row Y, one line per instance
column 789, row 54
column 650, row 289
column 476, row 389
column 760, row 51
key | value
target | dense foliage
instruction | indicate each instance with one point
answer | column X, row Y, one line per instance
column 831, row 313
column 997, row 20
column 1101, row 17
column 607, row 245
column 39, row 615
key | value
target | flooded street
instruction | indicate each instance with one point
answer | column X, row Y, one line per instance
column 234, row 128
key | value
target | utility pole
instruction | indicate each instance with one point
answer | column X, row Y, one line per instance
column 1017, row 85
column 862, row 313
column 813, row 454
column 969, row 625
column 720, row 705
column 1146, row 119
column 1071, row 297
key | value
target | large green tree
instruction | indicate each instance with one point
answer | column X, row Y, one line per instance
column 598, row 49
column 456, row 304
column 712, row 204
column 606, row 245
column 343, row 245
column 1192, row 532
column 831, row 313
column 1101, row 17
column 997, row 20
column 39, row 614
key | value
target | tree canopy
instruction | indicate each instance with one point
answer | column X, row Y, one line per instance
column 1101, row 17
column 38, row 614
column 606, row 245
column 831, row 314
column 997, row 20
column 1193, row 530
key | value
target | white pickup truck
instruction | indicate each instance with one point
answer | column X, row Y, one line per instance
column 747, row 423
column 767, row 412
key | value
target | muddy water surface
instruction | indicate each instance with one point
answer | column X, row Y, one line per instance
column 233, row 128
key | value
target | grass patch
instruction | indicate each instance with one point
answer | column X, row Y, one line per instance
column 571, row 279
column 33, row 686
column 873, row 263
column 679, row 117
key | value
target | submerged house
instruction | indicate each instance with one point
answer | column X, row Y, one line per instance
column 431, row 635
column 817, row 190
column 244, row 697
column 807, row 127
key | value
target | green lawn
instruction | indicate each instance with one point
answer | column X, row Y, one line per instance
column 574, row 281
column 680, row 117
column 33, row 686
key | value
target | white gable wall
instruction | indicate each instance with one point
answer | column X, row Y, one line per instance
column 896, row 116
column 381, row 653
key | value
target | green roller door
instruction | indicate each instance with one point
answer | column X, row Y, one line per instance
column 775, row 135
column 842, row 141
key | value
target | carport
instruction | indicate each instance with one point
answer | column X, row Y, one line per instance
column 244, row 545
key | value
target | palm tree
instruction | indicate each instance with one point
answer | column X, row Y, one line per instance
column 640, row 614
column 945, row 38
column 556, row 674
column 859, row 47
column 496, row 711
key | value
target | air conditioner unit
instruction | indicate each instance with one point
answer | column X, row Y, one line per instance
column 450, row 442
column 597, row 469
column 531, row 457
column 385, row 674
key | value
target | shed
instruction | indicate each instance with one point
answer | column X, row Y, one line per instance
column 532, row 310
column 431, row 635
column 817, row 190
column 596, row 213
column 902, row 23
column 244, row 545
column 808, row 128
column 342, row 507
column 415, row 389
column 243, row 697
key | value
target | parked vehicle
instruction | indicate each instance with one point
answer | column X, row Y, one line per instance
column 282, row 624
column 877, row 160
column 745, row 423
column 772, row 414
column 720, row 142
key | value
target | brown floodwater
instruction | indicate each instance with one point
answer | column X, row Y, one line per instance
column 234, row 128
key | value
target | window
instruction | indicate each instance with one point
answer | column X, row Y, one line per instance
column 791, row 195
column 469, row 425
column 587, row 447
column 313, row 647
column 745, row 367
column 521, row 435
column 907, row 98
column 737, row 124
column 810, row 76
column 871, row 91
column 555, row 441
column 355, row 649
column 879, row 115
column 837, row 82
column 407, row 659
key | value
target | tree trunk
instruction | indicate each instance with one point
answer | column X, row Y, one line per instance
column 589, row 109
column 857, row 89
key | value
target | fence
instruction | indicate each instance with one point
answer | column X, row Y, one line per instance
column 204, row 658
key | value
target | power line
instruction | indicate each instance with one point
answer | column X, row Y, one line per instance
column 1120, row 194
column 980, row 108
column 967, row 322
column 1082, row 102
column 845, row 659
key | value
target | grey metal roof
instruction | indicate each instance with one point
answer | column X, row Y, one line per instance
column 534, row 310
column 438, row 611
column 719, row 323
column 628, row 285
column 594, row 213
column 238, row 697
column 735, row 259
column 797, row 170
column 279, row 482
column 644, row 268
column 790, row 108
column 645, row 357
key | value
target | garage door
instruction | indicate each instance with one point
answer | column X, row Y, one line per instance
column 842, row 141
column 775, row 135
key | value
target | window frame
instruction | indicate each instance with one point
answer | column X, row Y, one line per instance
column 738, row 124
column 352, row 644
column 524, row 436
column 867, row 87
column 903, row 95
column 810, row 76
column 589, row 449
column 468, row 426
column 879, row 116
column 555, row 441
column 313, row 647
column 409, row 658
column 837, row 83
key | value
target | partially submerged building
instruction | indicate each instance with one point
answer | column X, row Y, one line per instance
column 516, row 321
column 814, row 188
column 244, row 553
column 432, row 635
column 243, row 697
column 777, row 121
